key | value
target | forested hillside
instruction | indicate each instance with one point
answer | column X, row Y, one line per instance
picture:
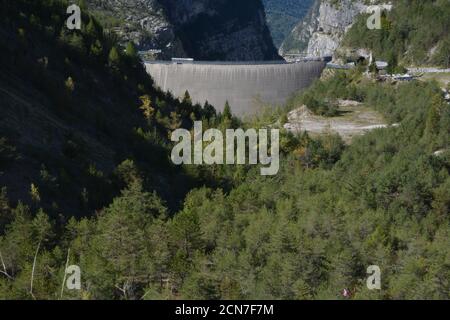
column 87, row 181
column 78, row 110
column 415, row 32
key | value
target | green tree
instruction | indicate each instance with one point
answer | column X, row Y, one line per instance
column 91, row 28
column 227, row 111
column 5, row 210
column 69, row 84
column 96, row 49
column 76, row 42
column 433, row 118
column 114, row 57
column 186, row 99
column 131, row 50
column 442, row 57
column 123, row 254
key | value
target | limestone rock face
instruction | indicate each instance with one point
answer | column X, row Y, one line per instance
column 333, row 22
column 326, row 25
column 297, row 41
column 142, row 22
column 200, row 29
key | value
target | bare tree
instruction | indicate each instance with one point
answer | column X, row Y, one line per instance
column 65, row 273
column 32, row 271
column 4, row 271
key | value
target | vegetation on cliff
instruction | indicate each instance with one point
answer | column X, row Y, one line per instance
column 415, row 32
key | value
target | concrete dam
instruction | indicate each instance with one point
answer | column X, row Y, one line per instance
column 245, row 85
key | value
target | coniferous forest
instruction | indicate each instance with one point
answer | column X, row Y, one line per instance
column 415, row 32
column 86, row 179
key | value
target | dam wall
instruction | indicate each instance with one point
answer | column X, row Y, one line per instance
column 244, row 85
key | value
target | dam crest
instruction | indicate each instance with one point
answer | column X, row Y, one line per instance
column 245, row 85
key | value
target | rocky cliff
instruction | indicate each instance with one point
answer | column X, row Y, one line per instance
column 283, row 16
column 324, row 27
column 143, row 22
column 297, row 41
column 201, row 29
column 333, row 22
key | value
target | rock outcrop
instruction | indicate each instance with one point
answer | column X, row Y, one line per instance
column 201, row 29
column 283, row 16
column 143, row 22
column 297, row 41
column 325, row 27
column 333, row 22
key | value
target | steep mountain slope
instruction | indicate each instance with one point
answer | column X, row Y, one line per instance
column 142, row 22
column 333, row 21
column 298, row 39
column 283, row 15
column 201, row 29
column 73, row 109
column 321, row 32
column 413, row 33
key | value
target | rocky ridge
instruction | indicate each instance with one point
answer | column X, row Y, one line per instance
column 320, row 34
column 201, row 29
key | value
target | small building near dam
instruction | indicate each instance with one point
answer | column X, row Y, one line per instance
column 245, row 85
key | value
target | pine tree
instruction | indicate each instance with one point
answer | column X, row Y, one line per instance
column 442, row 57
column 96, row 49
column 91, row 29
column 227, row 111
column 131, row 50
column 42, row 227
column 70, row 84
column 186, row 98
column 5, row 210
column 83, row 5
column 147, row 108
column 34, row 193
column 433, row 118
column 123, row 247
column 77, row 43
column 186, row 233
column 114, row 57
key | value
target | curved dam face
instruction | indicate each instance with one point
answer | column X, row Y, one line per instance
column 245, row 86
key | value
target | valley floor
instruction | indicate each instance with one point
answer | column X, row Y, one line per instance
column 355, row 119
